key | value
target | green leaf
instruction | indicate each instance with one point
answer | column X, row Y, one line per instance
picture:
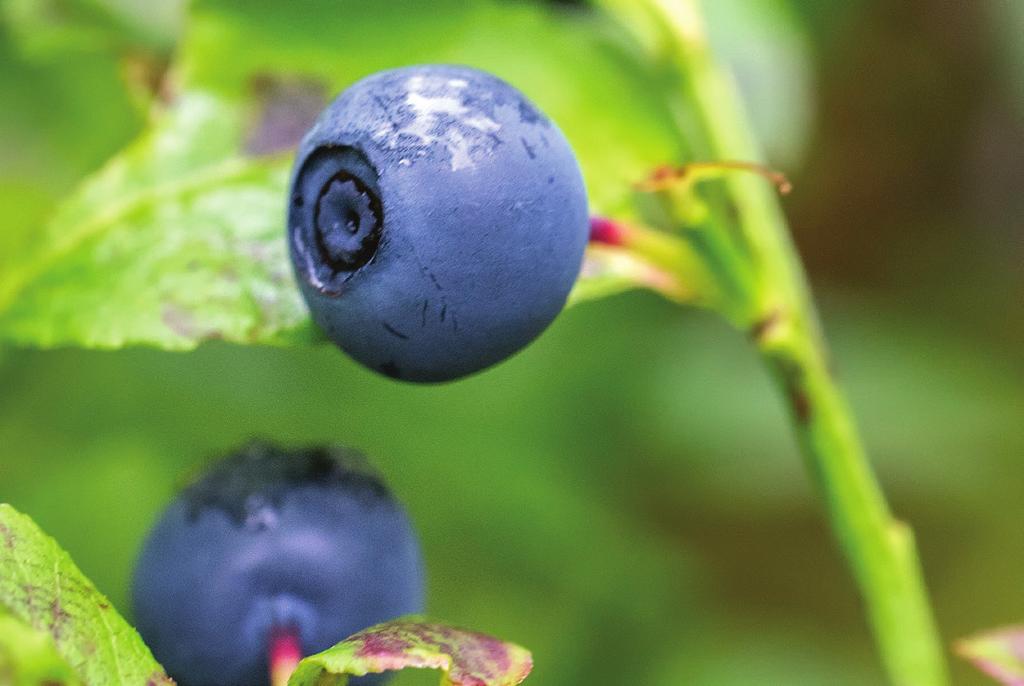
column 28, row 657
column 62, row 117
column 43, row 589
column 998, row 653
column 610, row 271
column 174, row 242
column 180, row 238
column 465, row 658
column 44, row 28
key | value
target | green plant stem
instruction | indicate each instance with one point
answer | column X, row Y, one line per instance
column 879, row 549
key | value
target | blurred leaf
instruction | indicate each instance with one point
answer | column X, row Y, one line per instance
column 1007, row 25
column 761, row 42
column 465, row 658
column 135, row 47
column 180, row 238
column 43, row 29
column 28, row 657
column 42, row 587
column 61, row 118
column 998, row 653
column 769, row 54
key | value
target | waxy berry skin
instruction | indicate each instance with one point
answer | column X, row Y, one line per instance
column 437, row 221
column 308, row 540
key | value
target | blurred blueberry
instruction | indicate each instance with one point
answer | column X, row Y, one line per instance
column 308, row 540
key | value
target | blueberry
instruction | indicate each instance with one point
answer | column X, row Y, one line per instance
column 307, row 542
column 437, row 221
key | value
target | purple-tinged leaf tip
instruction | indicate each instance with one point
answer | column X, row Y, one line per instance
column 999, row 653
column 465, row 658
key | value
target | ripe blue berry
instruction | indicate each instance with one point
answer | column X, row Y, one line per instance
column 308, row 543
column 437, row 221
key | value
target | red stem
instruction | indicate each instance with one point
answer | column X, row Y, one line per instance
column 608, row 231
column 284, row 650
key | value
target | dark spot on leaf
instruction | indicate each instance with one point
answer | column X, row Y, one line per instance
column 8, row 536
column 58, row 618
column 178, row 320
column 286, row 108
column 257, row 251
column 30, row 592
column 182, row 322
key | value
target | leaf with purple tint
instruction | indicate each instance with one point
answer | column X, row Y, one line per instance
column 465, row 658
column 609, row 271
column 43, row 591
column 999, row 653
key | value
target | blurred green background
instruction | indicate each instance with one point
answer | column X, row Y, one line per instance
column 623, row 497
